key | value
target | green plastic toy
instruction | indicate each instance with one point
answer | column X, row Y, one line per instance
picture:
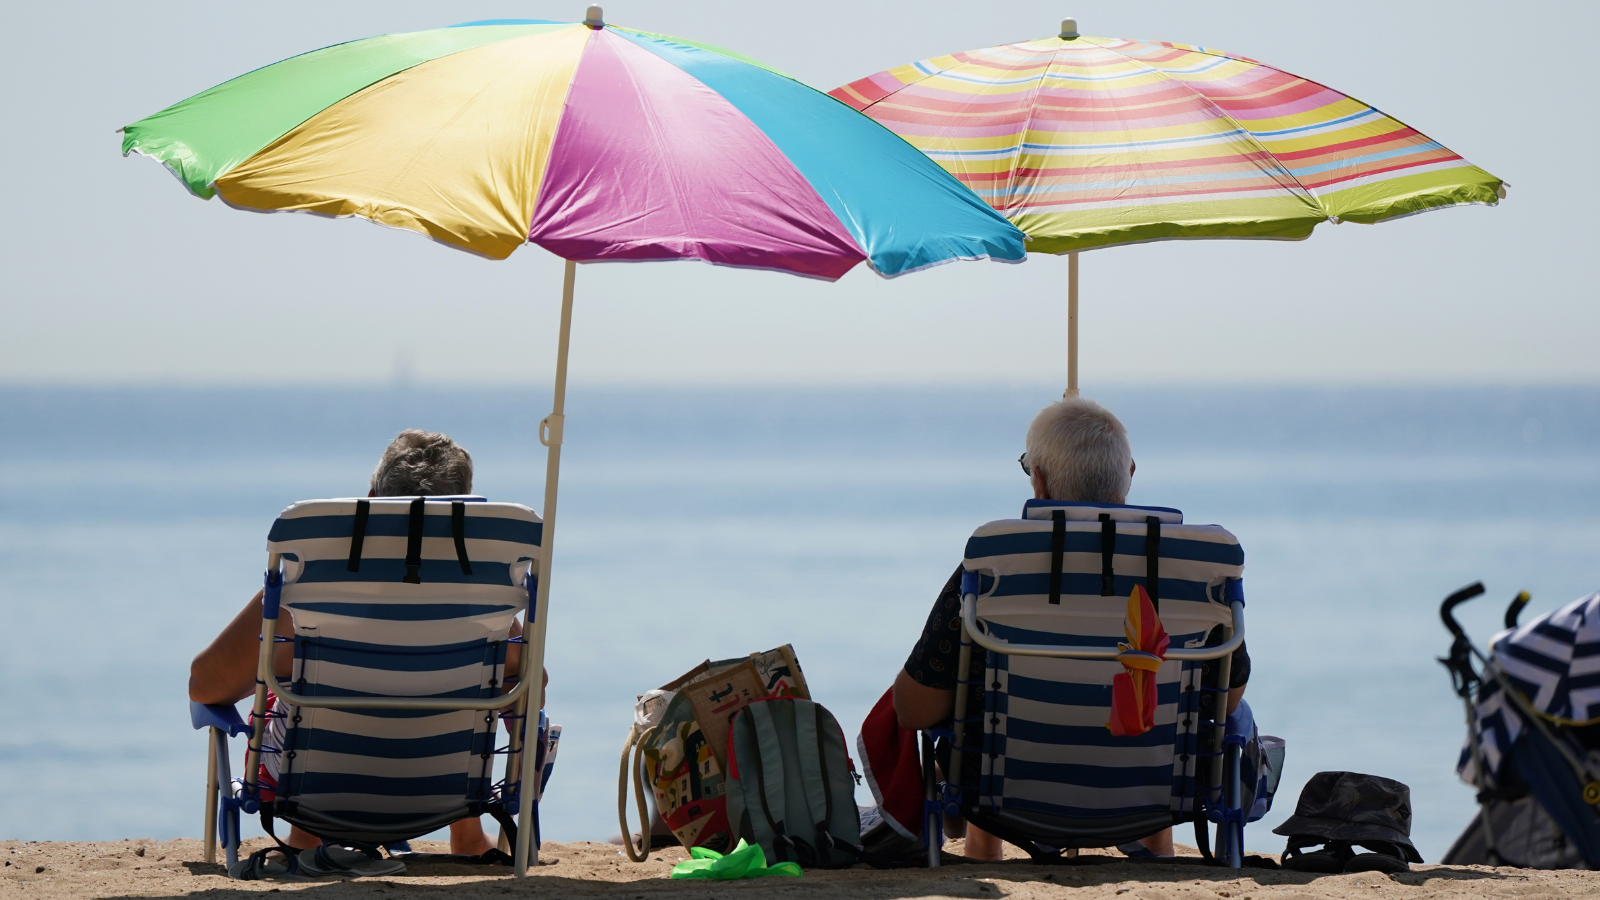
column 746, row 861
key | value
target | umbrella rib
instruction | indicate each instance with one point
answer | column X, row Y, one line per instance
column 1027, row 126
column 1240, row 126
column 676, row 190
column 903, row 86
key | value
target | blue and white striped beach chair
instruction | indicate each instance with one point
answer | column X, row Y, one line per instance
column 402, row 611
column 1043, row 603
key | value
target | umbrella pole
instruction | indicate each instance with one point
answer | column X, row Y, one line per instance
column 533, row 636
column 1072, row 325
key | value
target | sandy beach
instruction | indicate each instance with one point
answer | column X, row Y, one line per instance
column 135, row 868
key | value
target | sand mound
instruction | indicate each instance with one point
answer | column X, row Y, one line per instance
column 138, row 868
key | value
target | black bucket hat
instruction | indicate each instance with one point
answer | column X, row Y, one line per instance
column 1348, row 806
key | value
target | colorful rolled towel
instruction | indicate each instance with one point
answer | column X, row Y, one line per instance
column 1133, row 693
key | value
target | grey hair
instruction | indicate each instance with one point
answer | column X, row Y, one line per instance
column 422, row 463
column 1083, row 450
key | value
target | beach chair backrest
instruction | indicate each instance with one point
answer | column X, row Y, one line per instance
column 403, row 596
column 1046, row 748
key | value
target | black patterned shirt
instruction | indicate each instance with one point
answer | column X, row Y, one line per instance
column 934, row 660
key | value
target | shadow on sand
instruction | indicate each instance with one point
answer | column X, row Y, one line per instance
column 967, row 880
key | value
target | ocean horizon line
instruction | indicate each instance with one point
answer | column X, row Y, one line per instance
column 745, row 385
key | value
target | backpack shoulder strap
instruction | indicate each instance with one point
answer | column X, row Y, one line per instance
column 813, row 765
column 768, row 764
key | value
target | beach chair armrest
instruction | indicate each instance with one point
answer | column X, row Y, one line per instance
column 217, row 715
column 969, row 618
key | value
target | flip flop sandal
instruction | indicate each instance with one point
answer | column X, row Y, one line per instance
column 257, row 867
column 331, row 859
column 1330, row 860
column 494, row 856
column 1386, row 857
column 1136, row 850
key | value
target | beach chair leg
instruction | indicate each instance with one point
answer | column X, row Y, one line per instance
column 213, row 798
column 933, row 812
column 227, row 804
column 1233, row 814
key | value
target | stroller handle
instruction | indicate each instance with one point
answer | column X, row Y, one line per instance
column 1515, row 609
column 1446, row 609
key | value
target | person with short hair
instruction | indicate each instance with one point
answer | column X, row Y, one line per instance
column 422, row 464
column 416, row 463
column 1076, row 451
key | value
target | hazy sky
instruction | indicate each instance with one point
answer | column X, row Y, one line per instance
column 114, row 274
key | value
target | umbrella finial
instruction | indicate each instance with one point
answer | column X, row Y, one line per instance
column 595, row 17
column 1069, row 28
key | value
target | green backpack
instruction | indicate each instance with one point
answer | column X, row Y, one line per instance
column 791, row 784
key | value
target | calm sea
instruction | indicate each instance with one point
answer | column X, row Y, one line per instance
column 701, row 524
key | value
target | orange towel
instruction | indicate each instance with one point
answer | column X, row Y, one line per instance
column 1133, row 693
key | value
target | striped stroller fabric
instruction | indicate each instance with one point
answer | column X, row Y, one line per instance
column 410, row 597
column 1047, row 753
column 1553, row 661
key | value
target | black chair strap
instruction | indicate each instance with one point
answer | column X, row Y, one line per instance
column 1058, row 545
column 414, row 544
column 358, row 535
column 1152, row 561
column 1202, row 835
column 503, row 816
column 458, row 530
column 1108, row 549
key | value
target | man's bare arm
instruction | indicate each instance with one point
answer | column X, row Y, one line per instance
column 514, row 659
column 918, row 706
column 225, row 672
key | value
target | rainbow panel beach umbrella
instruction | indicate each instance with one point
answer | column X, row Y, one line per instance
column 1089, row 142
column 595, row 142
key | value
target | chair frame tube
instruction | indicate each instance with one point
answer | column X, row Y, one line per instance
column 264, row 677
column 1232, row 831
column 969, row 619
column 212, row 796
column 222, row 810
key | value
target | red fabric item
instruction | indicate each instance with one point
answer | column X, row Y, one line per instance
column 267, row 784
column 893, row 767
column 1133, row 693
column 1133, row 704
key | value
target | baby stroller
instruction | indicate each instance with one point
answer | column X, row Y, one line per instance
column 1533, row 736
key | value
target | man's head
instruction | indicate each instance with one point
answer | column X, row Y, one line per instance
column 422, row 463
column 1077, row 450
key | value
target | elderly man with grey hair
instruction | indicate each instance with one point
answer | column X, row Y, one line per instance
column 416, row 463
column 1078, row 451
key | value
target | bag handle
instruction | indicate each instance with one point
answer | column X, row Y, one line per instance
column 635, row 742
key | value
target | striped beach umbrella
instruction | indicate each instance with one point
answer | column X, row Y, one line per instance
column 1087, row 142
column 593, row 141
